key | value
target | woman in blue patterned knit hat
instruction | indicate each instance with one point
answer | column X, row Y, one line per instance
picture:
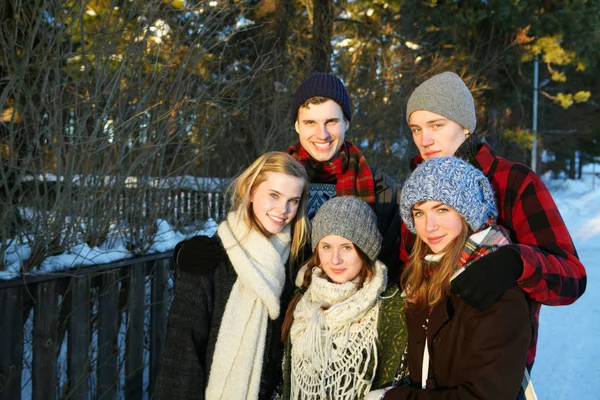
column 454, row 349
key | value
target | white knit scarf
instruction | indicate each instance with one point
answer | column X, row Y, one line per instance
column 239, row 352
column 332, row 347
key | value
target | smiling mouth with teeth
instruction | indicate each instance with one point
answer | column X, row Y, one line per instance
column 277, row 219
column 322, row 146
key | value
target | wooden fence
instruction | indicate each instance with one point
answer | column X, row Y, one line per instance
column 92, row 333
column 174, row 205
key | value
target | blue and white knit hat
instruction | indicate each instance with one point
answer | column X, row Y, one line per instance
column 453, row 182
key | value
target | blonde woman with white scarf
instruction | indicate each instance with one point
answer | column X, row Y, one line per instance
column 224, row 323
column 333, row 347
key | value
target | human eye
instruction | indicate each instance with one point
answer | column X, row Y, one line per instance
column 347, row 247
column 274, row 195
column 443, row 210
column 415, row 130
column 417, row 214
column 325, row 246
column 295, row 201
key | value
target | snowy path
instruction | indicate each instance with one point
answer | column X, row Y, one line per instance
column 568, row 361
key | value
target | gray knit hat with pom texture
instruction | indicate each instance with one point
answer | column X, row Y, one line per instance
column 447, row 95
column 453, row 182
column 350, row 218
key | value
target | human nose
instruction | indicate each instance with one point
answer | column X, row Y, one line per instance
column 427, row 138
column 431, row 224
column 336, row 258
column 322, row 132
column 283, row 207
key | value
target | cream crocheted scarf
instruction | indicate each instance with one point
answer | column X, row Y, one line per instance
column 334, row 337
column 239, row 352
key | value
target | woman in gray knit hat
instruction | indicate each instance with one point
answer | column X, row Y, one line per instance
column 454, row 349
column 333, row 348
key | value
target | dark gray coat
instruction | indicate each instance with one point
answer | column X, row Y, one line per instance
column 202, row 289
column 387, row 197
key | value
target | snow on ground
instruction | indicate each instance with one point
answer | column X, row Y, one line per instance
column 567, row 364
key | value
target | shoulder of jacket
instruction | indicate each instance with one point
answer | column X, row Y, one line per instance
column 199, row 255
column 384, row 184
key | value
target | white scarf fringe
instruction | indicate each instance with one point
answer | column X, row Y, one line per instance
column 332, row 347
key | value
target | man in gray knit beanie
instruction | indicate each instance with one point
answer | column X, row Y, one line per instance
column 542, row 258
column 441, row 115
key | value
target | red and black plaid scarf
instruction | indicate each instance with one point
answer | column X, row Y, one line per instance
column 349, row 170
column 497, row 237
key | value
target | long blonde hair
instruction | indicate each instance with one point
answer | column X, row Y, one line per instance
column 425, row 283
column 243, row 186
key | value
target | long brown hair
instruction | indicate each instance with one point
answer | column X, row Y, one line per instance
column 426, row 283
column 244, row 185
column 366, row 272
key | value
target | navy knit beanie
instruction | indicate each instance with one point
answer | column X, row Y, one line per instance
column 325, row 85
column 453, row 182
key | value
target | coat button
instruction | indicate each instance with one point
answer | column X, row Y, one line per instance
column 437, row 341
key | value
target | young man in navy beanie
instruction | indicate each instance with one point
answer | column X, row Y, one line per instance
column 321, row 111
column 542, row 259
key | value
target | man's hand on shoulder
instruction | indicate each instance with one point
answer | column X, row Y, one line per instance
column 485, row 281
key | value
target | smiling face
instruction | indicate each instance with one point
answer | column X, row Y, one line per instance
column 339, row 258
column 322, row 129
column 437, row 224
column 275, row 201
column 435, row 135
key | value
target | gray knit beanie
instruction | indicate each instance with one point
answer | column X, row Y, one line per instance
column 350, row 218
column 447, row 95
column 453, row 182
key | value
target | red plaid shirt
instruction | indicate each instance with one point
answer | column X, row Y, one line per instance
column 552, row 273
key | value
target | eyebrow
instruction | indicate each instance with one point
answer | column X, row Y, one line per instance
column 281, row 194
column 335, row 119
column 341, row 244
column 440, row 204
column 430, row 122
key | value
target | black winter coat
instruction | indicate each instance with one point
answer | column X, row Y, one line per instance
column 202, row 289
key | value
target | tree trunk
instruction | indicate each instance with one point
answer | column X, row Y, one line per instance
column 322, row 32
